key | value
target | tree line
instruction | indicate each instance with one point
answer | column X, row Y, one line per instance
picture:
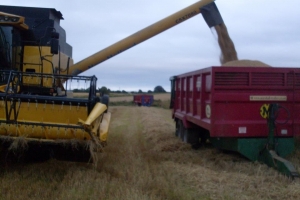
column 105, row 90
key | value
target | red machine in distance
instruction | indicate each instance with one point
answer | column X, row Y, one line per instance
column 143, row 99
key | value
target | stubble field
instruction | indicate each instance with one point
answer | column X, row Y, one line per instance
column 144, row 160
column 121, row 97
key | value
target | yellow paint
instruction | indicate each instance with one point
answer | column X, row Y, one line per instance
column 47, row 113
column 32, row 112
column 264, row 111
column 40, row 132
column 3, row 88
column 95, row 113
column 32, row 63
column 63, row 62
column 105, row 126
column 93, row 123
column 20, row 23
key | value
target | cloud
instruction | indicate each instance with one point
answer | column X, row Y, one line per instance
column 261, row 30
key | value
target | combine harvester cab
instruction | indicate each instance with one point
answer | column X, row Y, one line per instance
column 250, row 110
column 38, row 116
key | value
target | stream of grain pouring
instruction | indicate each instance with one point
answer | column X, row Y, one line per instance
column 229, row 55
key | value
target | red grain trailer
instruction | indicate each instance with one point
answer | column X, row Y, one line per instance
column 143, row 99
column 251, row 110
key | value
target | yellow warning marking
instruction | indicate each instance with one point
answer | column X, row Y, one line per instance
column 264, row 110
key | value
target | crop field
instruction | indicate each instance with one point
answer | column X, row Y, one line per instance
column 144, row 160
column 158, row 96
column 119, row 97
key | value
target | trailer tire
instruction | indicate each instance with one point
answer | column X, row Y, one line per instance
column 191, row 136
column 181, row 129
column 176, row 128
column 204, row 135
column 186, row 136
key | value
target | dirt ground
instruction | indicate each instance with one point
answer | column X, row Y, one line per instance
column 144, row 160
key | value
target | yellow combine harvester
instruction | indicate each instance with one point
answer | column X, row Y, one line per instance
column 37, row 113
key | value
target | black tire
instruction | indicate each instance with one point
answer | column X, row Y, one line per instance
column 186, row 136
column 191, row 136
column 181, row 129
column 195, row 140
column 204, row 136
column 176, row 128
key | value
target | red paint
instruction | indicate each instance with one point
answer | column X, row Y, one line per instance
column 228, row 91
column 143, row 99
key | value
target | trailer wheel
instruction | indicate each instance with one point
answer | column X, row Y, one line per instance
column 191, row 136
column 186, row 135
column 204, row 135
column 177, row 128
column 181, row 129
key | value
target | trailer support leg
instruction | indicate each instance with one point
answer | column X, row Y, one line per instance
column 268, row 155
column 272, row 159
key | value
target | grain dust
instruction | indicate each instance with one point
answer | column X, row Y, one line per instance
column 228, row 52
column 229, row 55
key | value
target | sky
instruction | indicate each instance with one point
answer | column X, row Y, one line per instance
column 265, row 30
